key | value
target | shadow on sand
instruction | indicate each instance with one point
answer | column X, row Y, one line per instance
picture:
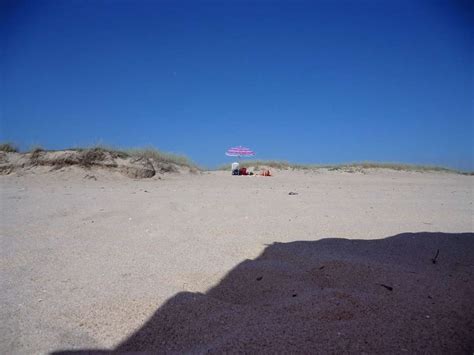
column 391, row 295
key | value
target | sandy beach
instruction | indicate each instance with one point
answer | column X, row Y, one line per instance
column 208, row 262
column 221, row 177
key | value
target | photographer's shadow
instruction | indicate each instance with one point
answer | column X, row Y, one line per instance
column 410, row 292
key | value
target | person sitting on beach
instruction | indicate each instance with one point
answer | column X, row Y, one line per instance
column 235, row 168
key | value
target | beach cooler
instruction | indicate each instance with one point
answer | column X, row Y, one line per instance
column 235, row 168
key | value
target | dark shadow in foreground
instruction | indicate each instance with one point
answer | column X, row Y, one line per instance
column 410, row 293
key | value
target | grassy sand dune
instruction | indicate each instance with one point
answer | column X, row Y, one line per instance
column 95, row 155
column 136, row 163
column 348, row 167
column 150, row 153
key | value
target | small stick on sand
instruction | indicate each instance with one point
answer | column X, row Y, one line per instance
column 387, row 287
column 436, row 256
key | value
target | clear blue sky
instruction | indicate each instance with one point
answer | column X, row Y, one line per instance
column 305, row 81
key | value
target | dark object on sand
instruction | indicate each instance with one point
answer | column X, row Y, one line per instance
column 436, row 257
column 387, row 287
column 291, row 193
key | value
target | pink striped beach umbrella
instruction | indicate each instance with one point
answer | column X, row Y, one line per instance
column 239, row 152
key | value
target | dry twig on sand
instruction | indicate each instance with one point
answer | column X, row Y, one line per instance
column 387, row 287
column 436, row 257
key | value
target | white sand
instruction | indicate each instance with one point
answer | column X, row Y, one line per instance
column 85, row 263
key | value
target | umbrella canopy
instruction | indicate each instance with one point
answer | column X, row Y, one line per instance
column 239, row 152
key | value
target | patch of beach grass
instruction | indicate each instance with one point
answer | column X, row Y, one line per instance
column 391, row 166
column 36, row 154
column 83, row 157
column 346, row 167
column 166, row 161
column 161, row 157
column 114, row 152
column 8, row 147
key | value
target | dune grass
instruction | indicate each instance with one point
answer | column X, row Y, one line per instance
column 392, row 166
column 347, row 167
column 95, row 154
column 150, row 153
column 85, row 158
column 8, row 147
column 114, row 152
column 161, row 157
column 98, row 154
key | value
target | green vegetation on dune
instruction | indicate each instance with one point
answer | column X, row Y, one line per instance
column 162, row 157
column 150, row 153
column 348, row 167
column 393, row 166
column 8, row 147
column 94, row 154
